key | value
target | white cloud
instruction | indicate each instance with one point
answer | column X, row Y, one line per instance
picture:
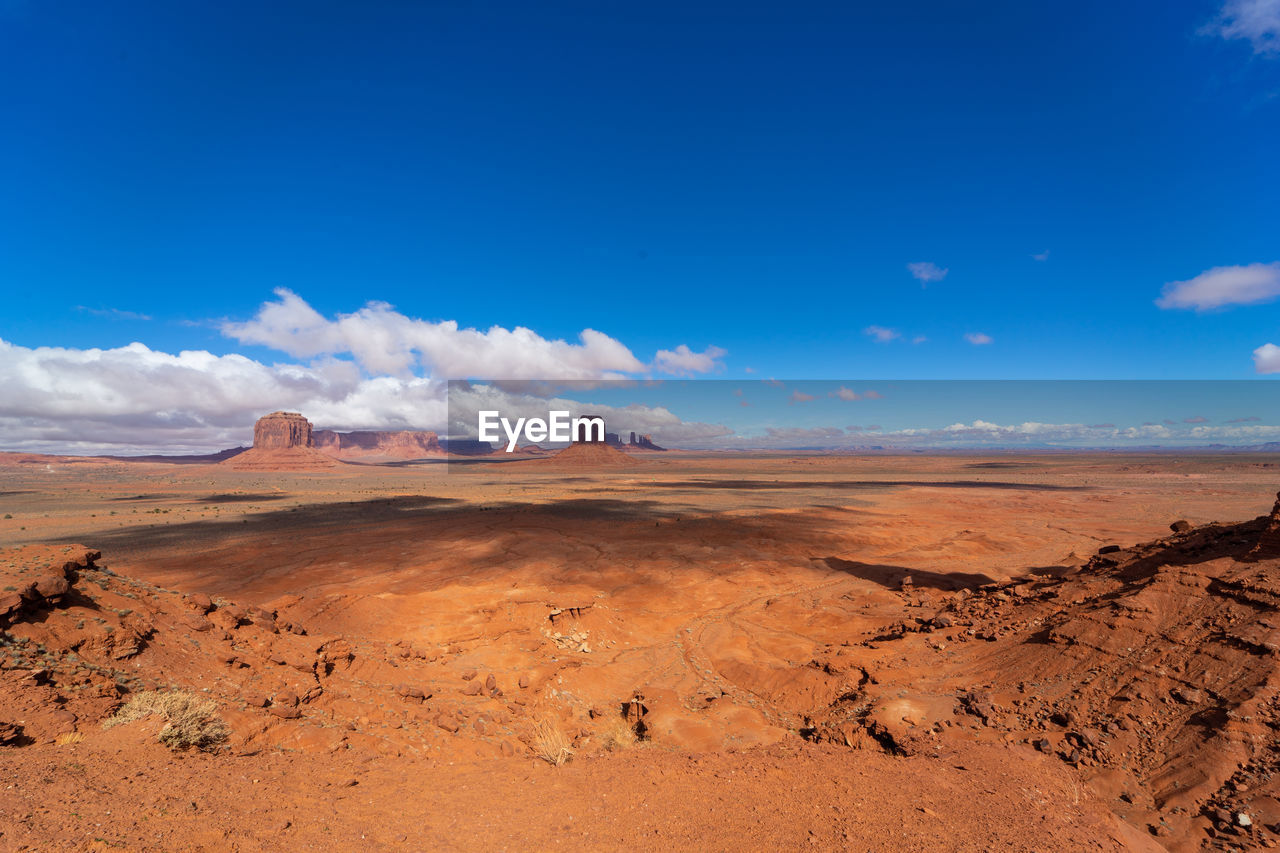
column 1041, row 256
column 683, row 361
column 850, row 395
column 386, row 342
column 1257, row 21
column 1214, row 288
column 465, row 401
column 1266, row 359
column 881, row 334
column 133, row 397
column 113, row 313
column 373, row 369
column 926, row 271
column 978, row 338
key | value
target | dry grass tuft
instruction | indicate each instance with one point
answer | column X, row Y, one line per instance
column 551, row 743
column 189, row 720
column 618, row 734
column 68, row 738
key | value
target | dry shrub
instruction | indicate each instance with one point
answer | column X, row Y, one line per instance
column 618, row 734
column 68, row 738
column 189, row 720
column 551, row 743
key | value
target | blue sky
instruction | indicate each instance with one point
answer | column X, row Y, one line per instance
column 894, row 414
column 749, row 180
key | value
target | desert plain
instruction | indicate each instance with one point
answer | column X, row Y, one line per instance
column 718, row 651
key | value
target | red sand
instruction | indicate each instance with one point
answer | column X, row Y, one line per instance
column 886, row 655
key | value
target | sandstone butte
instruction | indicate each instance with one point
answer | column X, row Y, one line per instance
column 282, row 441
column 286, row 441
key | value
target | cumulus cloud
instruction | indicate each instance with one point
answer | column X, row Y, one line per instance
column 386, row 342
column 1041, row 256
column 1256, row 21
column 1266, row 359
column 372, row 369
column 466, row 400
column 194, row 401
column 1249, row 420
column 926, row 271
column 683, row 361
column 798, row 396
column 1197, row 419
column 881, row 334
column 978, row 338
column 1221, row 286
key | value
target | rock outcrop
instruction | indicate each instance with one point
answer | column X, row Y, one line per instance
column 281, row 431
column 377, row 444
column 43, row 588
column 1268, row 547
column 592, row 455
column 282, row 441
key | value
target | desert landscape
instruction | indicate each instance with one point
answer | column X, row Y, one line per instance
column 508, row 426
column 698, row 650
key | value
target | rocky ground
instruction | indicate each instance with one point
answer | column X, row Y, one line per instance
column 405, row 671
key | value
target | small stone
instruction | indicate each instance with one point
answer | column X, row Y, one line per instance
column 1243, row 819
column 1180, row 526
column 472, row 689
column 469, row 674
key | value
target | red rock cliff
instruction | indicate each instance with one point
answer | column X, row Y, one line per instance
column 397, row 444
column 281, row 430
column 1268, row 547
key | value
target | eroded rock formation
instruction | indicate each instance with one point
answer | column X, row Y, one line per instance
column 282, row 430
column 1268, row 547
column 282, row 441
column 387, row 444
